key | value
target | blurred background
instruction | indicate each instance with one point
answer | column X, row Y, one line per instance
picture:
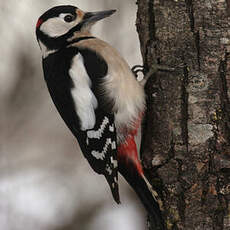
column 45, row 183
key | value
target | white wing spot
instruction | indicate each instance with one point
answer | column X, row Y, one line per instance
column 114, row 162
column 111, row 128
column 98, row 133
column 113, row 145
column 101, row 155
column 108, row 169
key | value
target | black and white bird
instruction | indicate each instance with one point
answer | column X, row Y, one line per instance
column 97, row 95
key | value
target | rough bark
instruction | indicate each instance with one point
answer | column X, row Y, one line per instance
column 186, row 146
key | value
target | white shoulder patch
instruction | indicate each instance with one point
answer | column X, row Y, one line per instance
column 84, row 99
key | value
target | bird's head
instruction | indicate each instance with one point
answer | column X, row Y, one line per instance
column 57, row 26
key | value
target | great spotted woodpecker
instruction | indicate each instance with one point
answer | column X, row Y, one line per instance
column 97, row 95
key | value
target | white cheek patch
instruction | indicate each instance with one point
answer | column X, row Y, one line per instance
column 84, row 99
column 55, row 27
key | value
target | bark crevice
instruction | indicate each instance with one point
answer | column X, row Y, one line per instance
column 190, row 10
column 184, row 107
column 196, row 33
column 225, row 102
column 197, row 44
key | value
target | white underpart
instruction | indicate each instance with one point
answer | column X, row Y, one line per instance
column 119, row 85
column 55, row 27
column 128, row 96
column 98, row 133
column 84, row 99
column 129, row 99
column 45, row 51
column 101, row 155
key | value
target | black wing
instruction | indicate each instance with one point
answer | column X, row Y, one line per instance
column 99, row 143
column 100, row 149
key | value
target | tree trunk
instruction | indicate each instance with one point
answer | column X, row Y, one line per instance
column 186, row 145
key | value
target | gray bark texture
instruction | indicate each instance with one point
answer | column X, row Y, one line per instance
column 186, row 141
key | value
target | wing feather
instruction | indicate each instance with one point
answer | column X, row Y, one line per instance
column 81, row 109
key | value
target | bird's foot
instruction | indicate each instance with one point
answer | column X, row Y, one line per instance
column 153, row 69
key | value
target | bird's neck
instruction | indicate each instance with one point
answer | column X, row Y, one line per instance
column 50, row 45
column 78, row 34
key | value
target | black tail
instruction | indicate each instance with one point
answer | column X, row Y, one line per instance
column 138, row 183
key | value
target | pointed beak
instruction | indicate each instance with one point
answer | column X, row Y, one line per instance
column 92, row 17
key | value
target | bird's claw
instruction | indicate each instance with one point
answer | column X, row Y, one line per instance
column 153, row 69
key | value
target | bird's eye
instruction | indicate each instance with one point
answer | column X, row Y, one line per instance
column 69, row 18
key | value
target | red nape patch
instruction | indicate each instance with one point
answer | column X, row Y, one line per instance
column 39, row 22
column 127, row 154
